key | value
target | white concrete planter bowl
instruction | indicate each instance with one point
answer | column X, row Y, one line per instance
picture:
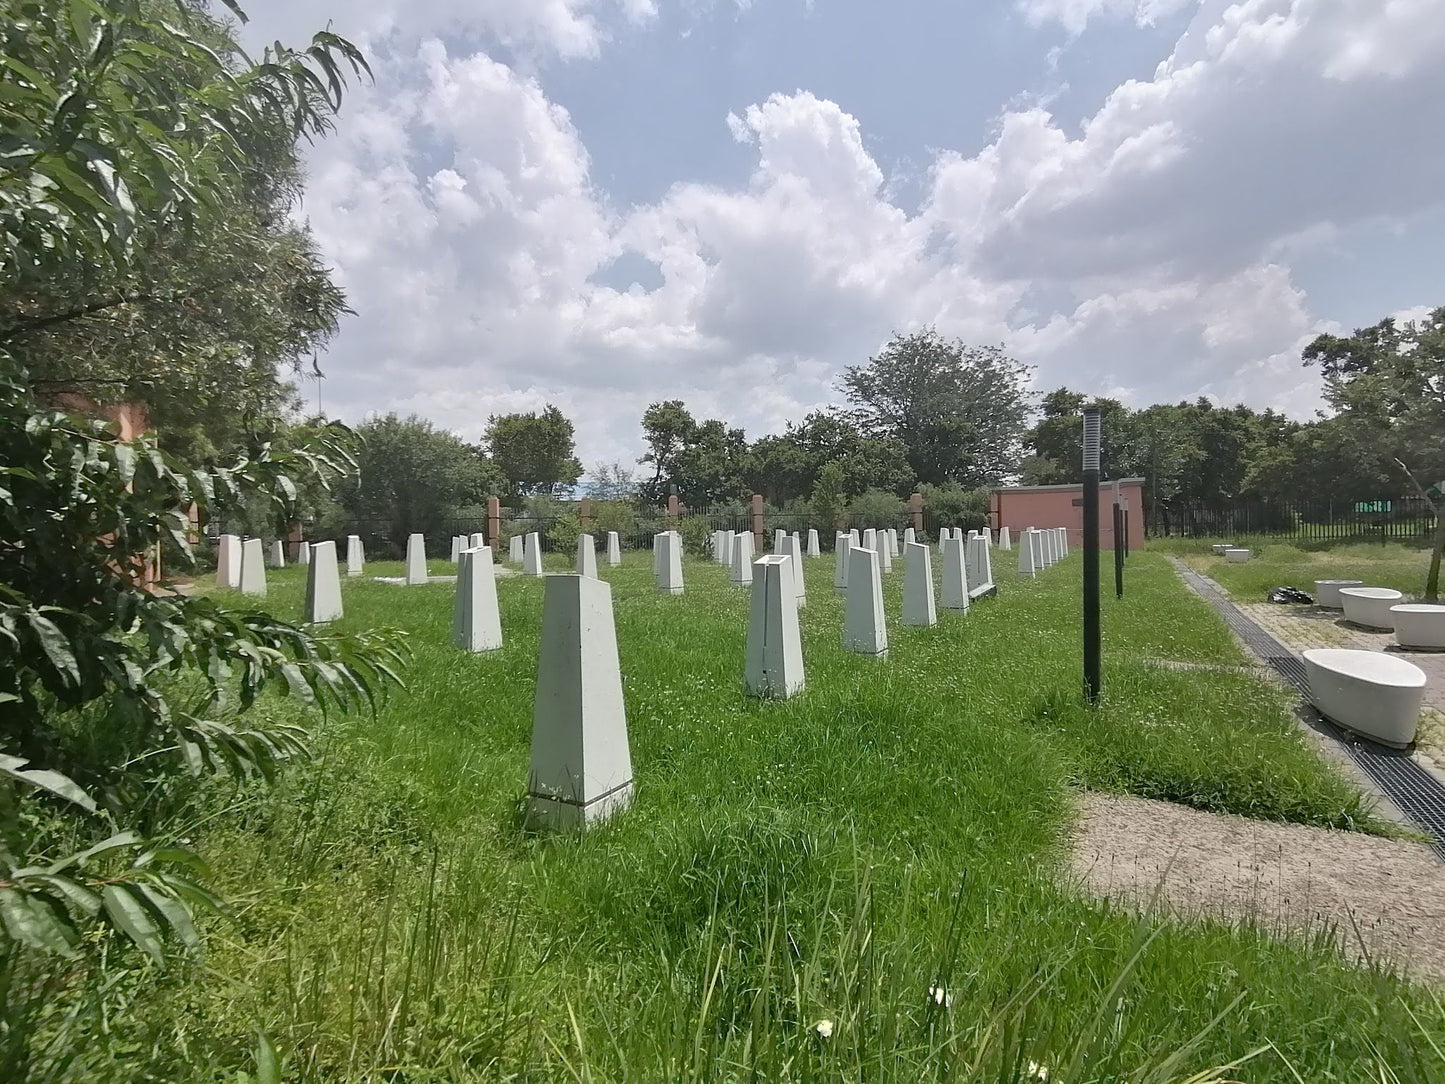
column 1420, row 626
column 1369, row 692
column 1370, row 606
column 1237, row 556
column 1327, row 592
column 1219, row 548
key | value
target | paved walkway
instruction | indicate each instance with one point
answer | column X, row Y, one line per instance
column 1301, row 628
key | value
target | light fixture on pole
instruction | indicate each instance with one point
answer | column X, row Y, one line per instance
column 1091, row 555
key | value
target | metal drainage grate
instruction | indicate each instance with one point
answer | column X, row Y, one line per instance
column 1418, row 794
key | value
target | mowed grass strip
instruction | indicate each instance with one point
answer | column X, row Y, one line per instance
column 858, row 883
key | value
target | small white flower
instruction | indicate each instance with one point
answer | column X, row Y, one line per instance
column 824, row 1028
column 941, row 996
column 1038, row 1072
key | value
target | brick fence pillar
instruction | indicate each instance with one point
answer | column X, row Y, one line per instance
column 760, row 526
column 294, row 537
column 494, row 520
column 915, row 512
column 584, row 514
column 674, row 509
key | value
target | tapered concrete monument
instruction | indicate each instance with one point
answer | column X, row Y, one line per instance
column 909, row 535
column 474, row 541
column 355, row 555
column 476, row 621
column 893, row 550
column 864, row 627
column 1005, row 542
column 954, row 594
column 532, row 554
column 228, row 561
column 944, row 534
column 716, row 543
column 669, row 563
column 773, row 662
column 1064, row 541
column 614, row 549
column 458, row 544
column 780, row 542
column 742, row 560
column 729, row 537
column 813, row 550
column 855, row 538
column 303, row 553
column 416, row 560
column 253, row 568
column 841, row 547
column 1036, row 542
column 795, row 552
column 278, row 554
column 918, row 605
column 581, row 769
column 516, row 546
column 323, row 585
column 586, row 556
column 885, row 556
column 978, row 562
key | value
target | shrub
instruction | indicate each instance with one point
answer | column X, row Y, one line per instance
column 875, row 508
column 696, row 534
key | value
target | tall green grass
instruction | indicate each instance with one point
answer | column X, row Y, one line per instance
column 877, row 859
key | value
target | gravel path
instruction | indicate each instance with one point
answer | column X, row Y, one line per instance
column 1284, row 877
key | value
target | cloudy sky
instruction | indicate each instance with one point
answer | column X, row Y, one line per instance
column 601, row 203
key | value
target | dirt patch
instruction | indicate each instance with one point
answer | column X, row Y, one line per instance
column 1284, row 878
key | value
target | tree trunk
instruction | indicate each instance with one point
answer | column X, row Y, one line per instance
column 1432, row 581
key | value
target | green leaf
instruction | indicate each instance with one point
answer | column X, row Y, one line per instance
column 175, row 914
column 130, row 916
column 268, row 1065
column 56, row 646
column 31, row 923
column 60, row 785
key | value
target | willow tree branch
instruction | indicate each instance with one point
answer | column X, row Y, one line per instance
column 27, row 327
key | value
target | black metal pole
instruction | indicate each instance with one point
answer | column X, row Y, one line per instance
column 1118, row 551
column 1092, row 646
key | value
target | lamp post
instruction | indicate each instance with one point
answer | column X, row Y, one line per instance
column 1091, row 555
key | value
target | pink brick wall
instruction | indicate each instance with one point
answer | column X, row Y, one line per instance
column 1054, row 507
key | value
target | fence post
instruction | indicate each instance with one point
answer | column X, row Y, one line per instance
column 915, row 513
column 193, row 525
column 295, row 534
column 674, row 509
column 494, row 521
column 584, row 514
column 760, row 528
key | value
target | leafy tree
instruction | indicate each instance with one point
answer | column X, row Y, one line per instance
column 196, row 309
column 412, row 475
column 787, row 466
column 1389, row 381
column 533, row 452
column 115, row 120
column 707, row 461
column 614, row 481
column 1055, row 443
column 958, row 410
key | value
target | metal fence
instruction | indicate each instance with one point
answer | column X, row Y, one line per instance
column 1391, row 519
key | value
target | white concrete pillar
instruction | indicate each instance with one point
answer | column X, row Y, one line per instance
column 979, row 565
column 918, row 605
column 355, row 555
column 854, row 538
column 228, row 561
column 586, row 556
column 864, row 627
column 458, row 544
column 842, row 544
column 780, row 542
column 474, row 541
column 742, row 566
column 614, row 549
column 909, row 535
column 253, row 568
column 795, row 551
column 416, row 560
column 1063, row 541
column 515, row 549
column 954, row 595
column 532, row 554
column 303, row 553
column 893, row 550
column 669, row 565
column 476, row 620
column 773, row 665
column 323, row 585
column 1004, row 541
column 278, row 554
column 581, row 767
column 729, row 538
column 813, row 549
column 944, row 534
column 1040, row 563
column 885, row 557
column 1027, row 556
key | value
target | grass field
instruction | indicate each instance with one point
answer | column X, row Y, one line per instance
column 1281, row 564
column 876, row 859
